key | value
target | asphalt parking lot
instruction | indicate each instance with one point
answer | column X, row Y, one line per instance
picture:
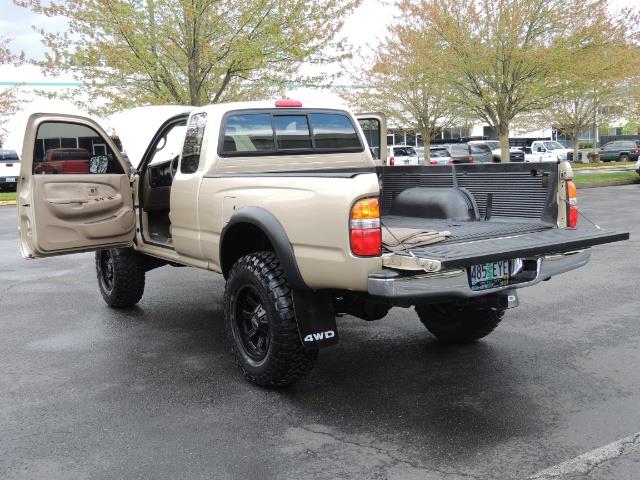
column 152, row 392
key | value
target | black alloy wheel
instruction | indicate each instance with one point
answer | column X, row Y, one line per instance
column 252, row 323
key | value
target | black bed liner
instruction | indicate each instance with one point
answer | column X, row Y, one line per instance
column 454, row 254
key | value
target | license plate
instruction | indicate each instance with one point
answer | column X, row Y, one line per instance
column 10, row 179
column 489, row 275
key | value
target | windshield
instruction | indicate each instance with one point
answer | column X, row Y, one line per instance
column 493, row 145
column 553, row 145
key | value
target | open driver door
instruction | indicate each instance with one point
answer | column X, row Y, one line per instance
column 74, row 191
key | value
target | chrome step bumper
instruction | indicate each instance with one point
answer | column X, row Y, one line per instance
column 390, row 283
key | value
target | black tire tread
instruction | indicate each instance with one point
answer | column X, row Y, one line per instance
column 289, row 358
column 129, row 278
column 459, row 324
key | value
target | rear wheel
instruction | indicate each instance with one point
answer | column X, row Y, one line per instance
column 459, row 323
column 121, row 275
column 624, row 157
column 260, row 323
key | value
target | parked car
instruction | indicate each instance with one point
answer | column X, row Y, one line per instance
column 64, row 161
column 439, row 155
column 300, row 240
column 9, row 169
column 622, row 150
column 559, row 151
column 481, row 153
column 398, row 155
column 450, row 153
column 638, row 166
column 531, row 156
column 515, row 154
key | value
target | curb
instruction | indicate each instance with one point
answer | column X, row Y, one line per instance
column 7, row 202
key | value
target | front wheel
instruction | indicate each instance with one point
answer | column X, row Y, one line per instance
column 624, row 157
column 459, row 323
column 260, row 323
column 121, row 276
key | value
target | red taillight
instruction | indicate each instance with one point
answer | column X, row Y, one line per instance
column 364, row 228
column 636, row 150
column 392, row 161
column 450, row 161
column 288, row 104
column 433, row 162
column 572, row 205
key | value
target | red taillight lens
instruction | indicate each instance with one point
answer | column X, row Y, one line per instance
column 572, row 205
column 392, row 161
column 364, row 228
column 433, row 162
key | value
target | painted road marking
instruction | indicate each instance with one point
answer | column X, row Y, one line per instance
column 587, row 462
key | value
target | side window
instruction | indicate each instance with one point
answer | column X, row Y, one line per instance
column 71, row 148
column 292, row 132
column 193, row 143
column 333, row 131
column 248, row 133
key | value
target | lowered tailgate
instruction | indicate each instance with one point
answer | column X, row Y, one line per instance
column 534, row 244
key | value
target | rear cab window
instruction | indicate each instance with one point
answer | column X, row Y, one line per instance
column 287, row 131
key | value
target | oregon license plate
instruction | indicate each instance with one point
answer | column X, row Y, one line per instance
column 489, row 275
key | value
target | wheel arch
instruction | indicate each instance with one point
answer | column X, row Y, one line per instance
column 253, row 229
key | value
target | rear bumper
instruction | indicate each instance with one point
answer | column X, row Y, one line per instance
column 454, row 283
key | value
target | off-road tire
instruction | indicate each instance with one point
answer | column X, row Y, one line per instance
column 285, row 358
column 624, row 157
column 459, row 323
column 125, row 285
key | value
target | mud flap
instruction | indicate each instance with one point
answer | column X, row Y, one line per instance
column 316, row 318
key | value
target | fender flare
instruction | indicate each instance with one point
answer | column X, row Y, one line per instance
column 315, row 314
column 274, row 231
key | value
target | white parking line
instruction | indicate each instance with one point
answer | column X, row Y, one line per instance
column 587, row 462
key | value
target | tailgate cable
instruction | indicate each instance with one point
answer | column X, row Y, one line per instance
column 598, row 227
column 407, row 249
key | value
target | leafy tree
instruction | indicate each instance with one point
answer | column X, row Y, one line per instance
column 9, row 101
column 504, row 56
column 191, row 52
column 594, row 84
column 406, row 83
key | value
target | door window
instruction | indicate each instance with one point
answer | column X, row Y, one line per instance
column 371, row 129
column 193, row 143
column 71, row 148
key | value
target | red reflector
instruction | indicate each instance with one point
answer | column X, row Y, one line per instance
column 366, row 242
column 288, row 104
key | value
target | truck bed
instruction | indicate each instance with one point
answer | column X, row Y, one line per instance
column 522, row 220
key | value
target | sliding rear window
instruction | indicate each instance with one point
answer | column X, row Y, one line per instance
column 278, row 132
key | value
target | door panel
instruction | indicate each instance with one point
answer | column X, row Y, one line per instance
column 69, row 199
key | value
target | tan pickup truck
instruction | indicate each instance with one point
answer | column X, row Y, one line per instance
column 291, row 204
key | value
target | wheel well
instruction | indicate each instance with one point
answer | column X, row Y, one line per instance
column 240, row 240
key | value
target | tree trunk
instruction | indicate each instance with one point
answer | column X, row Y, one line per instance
column 503, row 134
column 575, row 136
column 426, row 141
